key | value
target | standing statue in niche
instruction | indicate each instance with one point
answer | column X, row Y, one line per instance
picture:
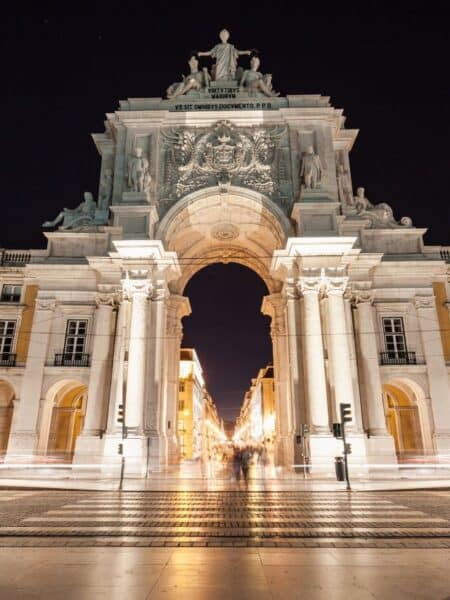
column 137, row 171
column 194, row 81
column 311, row 169
column 255, row 81
column 70, row 218
column 226, row 56
column 106, row 187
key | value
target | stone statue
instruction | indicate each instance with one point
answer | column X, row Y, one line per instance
column 311, row 169
column 379, row 215
column 137, row 170
column 82, row 215
column 194, row 81
column 344, row 187
column 106, row 187
column 255, row 81
column 226, row 56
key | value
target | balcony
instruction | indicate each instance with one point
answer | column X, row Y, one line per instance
column 71, row 360
column 7, row 359
column 398, row 358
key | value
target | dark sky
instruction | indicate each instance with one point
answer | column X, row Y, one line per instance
column 63, row 67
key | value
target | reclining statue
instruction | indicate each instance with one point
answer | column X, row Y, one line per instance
column 255, row 81
column 75, row 217
column 380, row 215
column 194, row 81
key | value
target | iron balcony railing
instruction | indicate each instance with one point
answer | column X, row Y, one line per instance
column 7, row 359
column 14, row 257
column 72, row 360
column 398, row 358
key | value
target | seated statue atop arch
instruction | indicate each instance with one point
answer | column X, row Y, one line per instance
column 84, row 214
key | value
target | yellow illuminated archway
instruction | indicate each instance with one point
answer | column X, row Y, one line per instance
column 67, row 419
column 6, row 413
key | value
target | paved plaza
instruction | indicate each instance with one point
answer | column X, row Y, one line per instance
column 233, row 545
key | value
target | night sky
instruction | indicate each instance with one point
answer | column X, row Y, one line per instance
column 63, row 68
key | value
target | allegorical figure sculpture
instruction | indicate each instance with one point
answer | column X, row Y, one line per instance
column 194, row 81
column 82, row 215
column 137, row 171
column 344, row 187
column 106, row 187
column 379, row 215
column 255, row 81
column 311, row 169
column 226, row 57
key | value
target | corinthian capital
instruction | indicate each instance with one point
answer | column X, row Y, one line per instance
column 106, row 299
column 335, row 280
column 134, row 287
column 424, row 302
column 45, row 303
column 310, row 281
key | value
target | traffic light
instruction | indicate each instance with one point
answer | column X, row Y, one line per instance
column 346, row 412
column 120, row 449
column 121, row 414
column 348, row 448
column 337, row 430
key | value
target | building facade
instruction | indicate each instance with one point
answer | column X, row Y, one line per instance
column 199, row 427
column 225, row 170
column 256, row 422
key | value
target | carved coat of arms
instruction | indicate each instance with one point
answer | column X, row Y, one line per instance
column 199, row 158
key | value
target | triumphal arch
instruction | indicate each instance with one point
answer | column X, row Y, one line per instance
column 225, row 169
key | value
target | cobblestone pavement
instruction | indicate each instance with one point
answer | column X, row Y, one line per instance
column 419, row 519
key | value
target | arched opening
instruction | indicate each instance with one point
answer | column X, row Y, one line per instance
column 232, row 341
column 67, row 418
column 217, row 232
column 6, row 413
column 407, row 419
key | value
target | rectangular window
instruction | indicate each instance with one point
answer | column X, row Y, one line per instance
column 181, row 405
column 181, row 386
column 7, row 330
column 394, row 337
column 11, row 293
column 75, row 341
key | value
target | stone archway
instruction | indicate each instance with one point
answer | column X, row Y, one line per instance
column 66, row 404
column 226, row 225
column 407, row 419
column 7, row 396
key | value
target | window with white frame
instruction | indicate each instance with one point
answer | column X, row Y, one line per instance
column 394, row 337
column 75, row 341
column 11, row 293
column 7, row 331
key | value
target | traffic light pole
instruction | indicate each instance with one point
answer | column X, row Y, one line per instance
column 346, row 416
column 121, row 419
column 347, row 478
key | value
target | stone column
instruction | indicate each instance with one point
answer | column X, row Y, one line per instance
column 177, row 308
column 117, row 392
column 338, row 341
column 436, row 369
column 369, row 368
column 155, row 407
column 380, row 447
column 138, row 291
column 275, row 307
column 100, row 372
column 314, row 364
column 294, row 344
column 24, row 434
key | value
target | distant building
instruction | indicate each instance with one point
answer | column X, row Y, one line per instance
column 256, row 421
column 199, row 427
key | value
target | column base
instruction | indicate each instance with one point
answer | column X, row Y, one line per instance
column 442, row 443
column 322, row 450
column 173, row 451
column 380, row 450
column 21, row 446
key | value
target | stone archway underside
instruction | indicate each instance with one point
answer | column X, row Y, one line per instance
column 213, row 226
